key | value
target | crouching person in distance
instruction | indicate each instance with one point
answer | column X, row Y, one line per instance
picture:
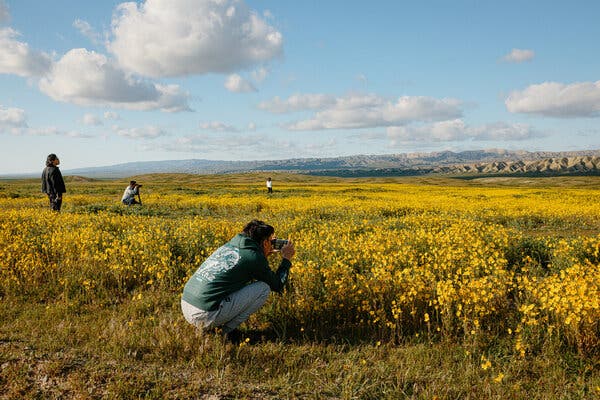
column 235, row 281
column 130, row 192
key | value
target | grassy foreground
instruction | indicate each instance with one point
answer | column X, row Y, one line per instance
column 78, row 319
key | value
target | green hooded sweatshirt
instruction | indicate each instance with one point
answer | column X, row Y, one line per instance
column 230, row 268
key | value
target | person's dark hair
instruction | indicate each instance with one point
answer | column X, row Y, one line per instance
column 258, row 230
column 132, row 182
column 50, row 159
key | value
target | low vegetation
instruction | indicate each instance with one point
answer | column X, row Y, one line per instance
column 401, row 288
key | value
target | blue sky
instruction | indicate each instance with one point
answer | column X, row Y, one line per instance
column 106, row 82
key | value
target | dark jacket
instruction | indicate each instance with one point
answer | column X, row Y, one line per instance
column 230, row 268
column 52, row 181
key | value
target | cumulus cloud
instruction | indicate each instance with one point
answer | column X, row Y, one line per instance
column 12, row 117
column 91, row 120
column 519, row 56
column 14, row 121
column 443, row 131
column 4, row 15
column 266, row 147
column 75, row 134
column 53, row 131
column 237, row 84
column 111, row 115
column 88, row 78
column 298, row 102
column 365, row 111
column 553, row 99
column 17, row 58
column 159, row 38
column 365, row 136
column 260, row 74
column 86, row 30
column 145, row 132
column 217, row 126
column 458, row 130
column 217, row 144
column 505, row 132
column 85, row 77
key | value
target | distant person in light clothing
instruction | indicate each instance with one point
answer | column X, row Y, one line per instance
column 130, row 192
column 269, row 185
column 52, row 182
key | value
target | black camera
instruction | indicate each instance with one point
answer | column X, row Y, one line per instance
column 279, row 243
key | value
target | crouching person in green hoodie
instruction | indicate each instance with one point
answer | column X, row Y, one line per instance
column 235, row 281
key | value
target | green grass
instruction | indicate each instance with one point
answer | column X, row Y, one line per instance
column 146, row 350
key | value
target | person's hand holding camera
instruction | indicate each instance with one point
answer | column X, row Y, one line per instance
column 288, row 250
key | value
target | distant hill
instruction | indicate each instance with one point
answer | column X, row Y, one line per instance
column 407, row 164
column 554, row 165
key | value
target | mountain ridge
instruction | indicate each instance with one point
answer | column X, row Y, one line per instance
column 472, row 162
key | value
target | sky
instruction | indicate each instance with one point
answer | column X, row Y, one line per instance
column 108, row 82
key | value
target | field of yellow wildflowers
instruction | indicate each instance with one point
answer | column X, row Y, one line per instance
column 499, row 274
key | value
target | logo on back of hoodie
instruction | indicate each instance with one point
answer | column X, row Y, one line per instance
column 225, row 258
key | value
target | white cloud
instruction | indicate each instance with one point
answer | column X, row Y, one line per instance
column 91, row 120
column 53, row 131
column 17, row 58
column 519, row 56
column 257, row 146
column 297, row 102
column 217, row 126
column 160, row 38
column 443, row 131
column 88, row 78
column 365, row 111
column 555, row 99
column 14, row 121
column 145, row 132
column 4, row 14
column 458, row 130
column 111, row 115
column 364, row 136
column 75, row 134
column 219, row 145
column 503, row 131
column 251, row 126
column 260, row 74
column 12, row 118
column 237, row 84
column 86, row 30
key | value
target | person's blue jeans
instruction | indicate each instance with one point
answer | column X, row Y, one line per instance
column 233, row 309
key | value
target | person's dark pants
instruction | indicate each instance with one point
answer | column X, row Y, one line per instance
column 55, row 202
column 129, row 202
column 270, row 190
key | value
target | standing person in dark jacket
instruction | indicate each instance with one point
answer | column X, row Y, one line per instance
column 52, row 182
column 235, row 281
